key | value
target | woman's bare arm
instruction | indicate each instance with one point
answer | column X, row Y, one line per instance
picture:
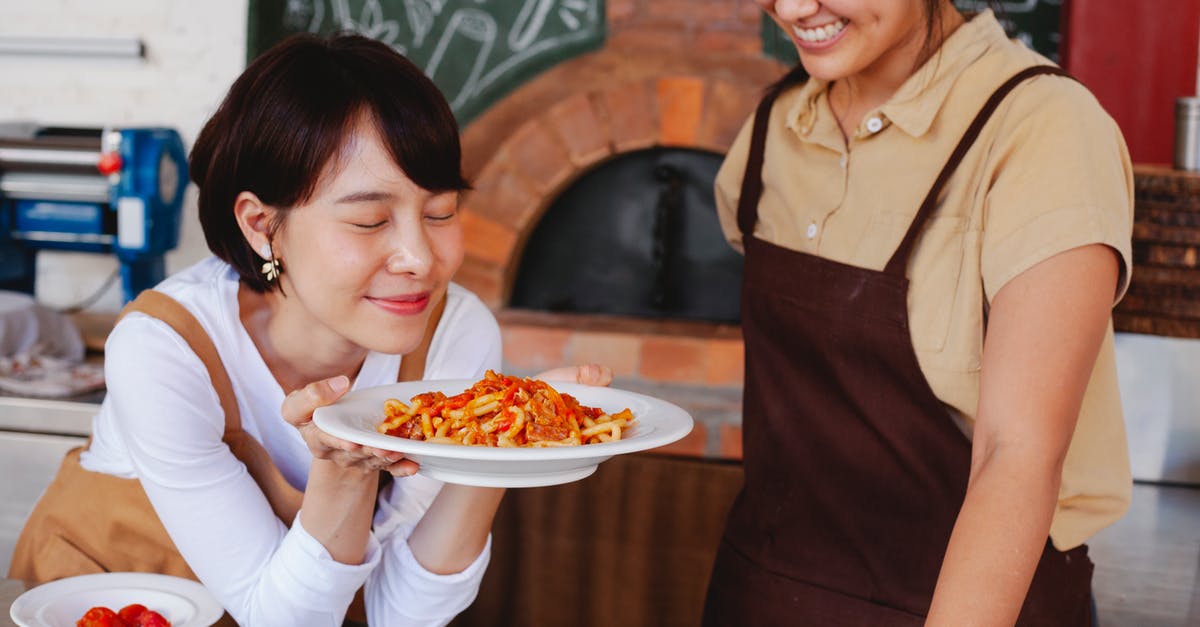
column 1044, row 332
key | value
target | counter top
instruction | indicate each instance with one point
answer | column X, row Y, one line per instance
column 61, row 416
column 56, row 416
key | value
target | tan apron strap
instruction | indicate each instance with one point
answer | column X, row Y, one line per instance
column 412, row 365
column 284, row 499
column 158, row 305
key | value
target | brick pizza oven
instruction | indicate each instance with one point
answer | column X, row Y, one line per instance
column 672, row 75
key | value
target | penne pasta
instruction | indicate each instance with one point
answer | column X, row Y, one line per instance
column 503, row 411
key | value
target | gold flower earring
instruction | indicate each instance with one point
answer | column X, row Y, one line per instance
column 271, row 268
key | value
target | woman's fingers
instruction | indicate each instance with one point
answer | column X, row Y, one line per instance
column 298, row 406
column 390, row 456
column 403, row 468
column 566, row 373
column 588, row 374
column 392, row 461
column 348, row 454
column 298, row 409
column 371, row 463
column 335, row 443
column 594, row 374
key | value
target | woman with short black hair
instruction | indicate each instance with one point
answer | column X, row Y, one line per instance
column 329, row 193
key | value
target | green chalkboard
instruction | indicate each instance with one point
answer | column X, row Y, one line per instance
column 475, row 50
column 1035, row 22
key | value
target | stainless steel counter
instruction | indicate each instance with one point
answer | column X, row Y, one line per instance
column 34, row 436
column 1161, row 399
column 60, row 417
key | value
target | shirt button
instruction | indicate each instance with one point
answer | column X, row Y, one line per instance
column 842, row 162
column 812, row 230
column 874, row 124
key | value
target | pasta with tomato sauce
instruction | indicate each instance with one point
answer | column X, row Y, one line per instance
column 503, row 411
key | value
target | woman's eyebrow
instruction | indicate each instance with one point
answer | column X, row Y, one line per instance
column 364, row 196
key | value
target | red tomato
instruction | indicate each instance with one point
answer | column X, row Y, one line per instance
column 101, row 617
column 131, row 612
column 152, row 619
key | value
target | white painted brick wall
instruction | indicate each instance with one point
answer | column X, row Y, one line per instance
column 194, row 50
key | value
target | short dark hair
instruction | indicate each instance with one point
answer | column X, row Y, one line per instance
column 290, row 112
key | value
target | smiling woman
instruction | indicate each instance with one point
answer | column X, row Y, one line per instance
column 329, row 182
column 298, row 129
column 368, row 253
column 936, row 223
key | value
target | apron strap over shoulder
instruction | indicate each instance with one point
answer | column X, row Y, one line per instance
column 897, row 265
column 158, row 305
column 752, row 184
column 284, row 499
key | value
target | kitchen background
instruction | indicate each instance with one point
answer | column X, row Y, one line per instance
column 648, row 86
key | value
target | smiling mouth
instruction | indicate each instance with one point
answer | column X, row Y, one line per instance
column 407, row 305
column 820, row 34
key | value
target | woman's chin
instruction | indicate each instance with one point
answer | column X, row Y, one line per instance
column 396, row 343
column 824, row 69
column 385, row 332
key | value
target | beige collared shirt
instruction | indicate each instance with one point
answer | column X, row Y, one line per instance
column 1049, row 172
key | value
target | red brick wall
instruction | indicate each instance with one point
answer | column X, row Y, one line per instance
column 629, row 95
column 681, row 73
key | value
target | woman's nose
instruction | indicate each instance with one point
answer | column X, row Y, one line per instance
column 792, row 10
column 411, row 254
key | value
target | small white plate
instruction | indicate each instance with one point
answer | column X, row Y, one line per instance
column 61, row 603
column 355, row 418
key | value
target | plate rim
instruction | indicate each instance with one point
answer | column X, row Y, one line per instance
column 659, row 437
column 208, row 609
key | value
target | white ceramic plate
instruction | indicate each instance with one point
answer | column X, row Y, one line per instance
column 61, row 603
column 355, row 418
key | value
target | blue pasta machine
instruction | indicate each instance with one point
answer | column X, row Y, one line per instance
column 110, row 191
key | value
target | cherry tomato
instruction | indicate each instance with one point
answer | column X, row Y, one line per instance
column 101, row 617
column 152, row 619
column 130, row 613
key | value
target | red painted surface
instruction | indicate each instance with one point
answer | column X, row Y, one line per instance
column 1137, row 56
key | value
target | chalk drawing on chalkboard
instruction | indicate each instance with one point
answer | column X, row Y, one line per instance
column 568, row 17
column 302, row 15
column 588, row 8
column 473, row 27
column 474, row 50
column 530, row 20
column 371, row 22
column 420, row 19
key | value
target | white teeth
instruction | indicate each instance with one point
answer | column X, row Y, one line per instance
column 821, row 33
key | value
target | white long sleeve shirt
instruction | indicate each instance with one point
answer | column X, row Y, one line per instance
column 162, row 423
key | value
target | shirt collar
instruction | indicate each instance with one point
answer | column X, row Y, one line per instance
column 914, row 106
column 802, row 114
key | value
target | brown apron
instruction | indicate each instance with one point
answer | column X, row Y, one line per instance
column 89, row 522
column 854, row 471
